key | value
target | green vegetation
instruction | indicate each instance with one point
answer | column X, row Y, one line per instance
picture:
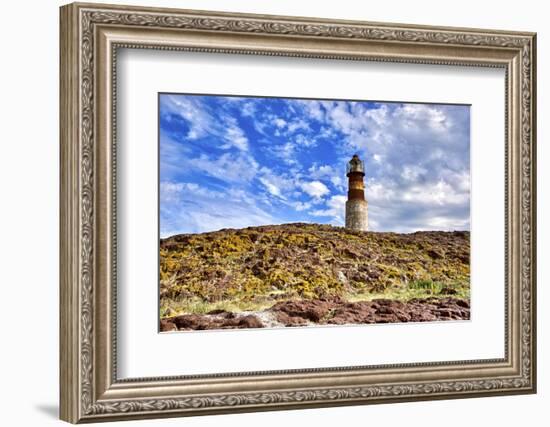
column 417, row 289
column 253, row 268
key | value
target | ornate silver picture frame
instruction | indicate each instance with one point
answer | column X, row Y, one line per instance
column 91, row 36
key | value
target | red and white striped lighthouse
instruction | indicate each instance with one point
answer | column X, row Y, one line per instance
column 357, row 217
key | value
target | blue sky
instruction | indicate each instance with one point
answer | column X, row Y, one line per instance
column 233, row 162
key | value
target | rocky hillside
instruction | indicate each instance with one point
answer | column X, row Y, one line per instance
column 235, row 272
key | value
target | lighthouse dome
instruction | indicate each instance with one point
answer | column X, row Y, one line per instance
column 355, row 165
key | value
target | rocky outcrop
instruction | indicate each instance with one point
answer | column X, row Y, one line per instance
column 333, row 311
column 311, row 274
column 224, row 320
column 294, row 261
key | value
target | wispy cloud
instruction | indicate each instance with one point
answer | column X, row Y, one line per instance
column 191, row 208
column 200, row 121
column 335, row 208
column 315, row 189
column 269, row 160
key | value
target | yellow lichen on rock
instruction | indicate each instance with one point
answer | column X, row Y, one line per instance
column 260, row 266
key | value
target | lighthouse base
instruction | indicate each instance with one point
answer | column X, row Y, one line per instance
column 357, row 217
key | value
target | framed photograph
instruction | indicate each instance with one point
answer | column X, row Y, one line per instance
column 267, row 212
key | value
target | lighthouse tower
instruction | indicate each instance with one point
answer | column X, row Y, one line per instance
column 356, row 206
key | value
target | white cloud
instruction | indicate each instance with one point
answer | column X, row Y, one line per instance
column 234, row 135
column 298, row 124
column 399, row 208
column 327, row 173
column 335, row 208
column 337, row 181
column 280, row 123
column 169, row 189
column 189, row 109
column 248, row 109
column 277, row 185
column 315, row 189
column 326, row 133
column 204, row 122
column 440, row 193
column 414, row 114
column 190, row 208
column 416, row 158
column 319, row 172
column 285, row 152
column 312, row 108
column 172, row 155
column 379, row 115
column 272, row 188
column 447, row 223
column 228, row 167
column 301, row 206
column 305, row 141
column 412, row 172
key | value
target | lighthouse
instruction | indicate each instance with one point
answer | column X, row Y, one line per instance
column 356, row 206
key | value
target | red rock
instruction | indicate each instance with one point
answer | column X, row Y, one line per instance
column 167, row 326
column 249, row 322
column 463, row 303
column 222, row 320
column 333, row 311
column 313, row 310
column 288, row 320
